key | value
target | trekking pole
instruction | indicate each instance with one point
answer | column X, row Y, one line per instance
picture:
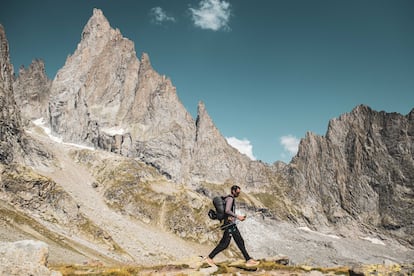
column 226, row 226
column 261, row 212
column 222, row 227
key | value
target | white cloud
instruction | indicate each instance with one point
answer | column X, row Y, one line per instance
column 243, row 146
column 212, row 15
column 159, row 16
column 290, row 144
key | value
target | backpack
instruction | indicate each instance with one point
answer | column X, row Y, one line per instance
column 219, row 203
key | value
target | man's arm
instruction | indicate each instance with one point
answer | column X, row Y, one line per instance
column 229, row 204
column 228, row 211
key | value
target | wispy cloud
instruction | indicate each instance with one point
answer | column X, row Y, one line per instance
column 212, row 15
column 159, row 16
column 290, row 144
column 244, row 146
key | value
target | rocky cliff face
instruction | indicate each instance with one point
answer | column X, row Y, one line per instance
column 163, row 131
column 104, row 96
column 10, row 121
column 91, row 94
column 215, row 161
column 361, row 171
column 32, row 90
column 30, row 202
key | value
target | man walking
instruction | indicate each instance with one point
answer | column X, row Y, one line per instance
column 230, row 230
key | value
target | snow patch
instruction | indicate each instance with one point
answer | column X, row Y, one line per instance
column 314, row 232
column 113, row 131
column 42, row 124
column 373, row 240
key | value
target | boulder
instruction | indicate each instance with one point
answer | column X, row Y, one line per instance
column 26, row 257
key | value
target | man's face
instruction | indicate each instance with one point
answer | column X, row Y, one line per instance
column 236, row 193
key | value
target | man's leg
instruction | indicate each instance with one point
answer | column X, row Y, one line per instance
column 224, row 242
column 240, row 242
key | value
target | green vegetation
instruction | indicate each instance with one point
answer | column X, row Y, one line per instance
column 227, row 268
column 71, row 270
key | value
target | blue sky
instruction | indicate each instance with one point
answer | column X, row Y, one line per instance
column 268, row 71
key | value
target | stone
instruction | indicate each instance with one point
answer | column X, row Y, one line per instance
column 279, row 259
column 26, row 257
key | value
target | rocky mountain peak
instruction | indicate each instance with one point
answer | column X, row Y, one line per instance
column 103, row 77
column 201, row 110
column 411, row 114
column 6, row 70
column 145, row 62
column 205, row 125
column 98, row 31
column 361, row 171
column 105, row 97
column 207, row 132
column 10, row 121
column 214, row 160
column 37, row 66
column 32, row 90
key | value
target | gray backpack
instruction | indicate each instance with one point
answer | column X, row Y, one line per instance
column 219, row 203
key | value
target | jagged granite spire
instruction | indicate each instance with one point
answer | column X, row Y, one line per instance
column 206, row 130
column 215, row 161
column 105, row 97
column 97, row 31
column 95, row 88
column 6, row 72
column 32, row 90
column 10, row 121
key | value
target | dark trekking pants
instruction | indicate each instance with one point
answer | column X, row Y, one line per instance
column 229, row 232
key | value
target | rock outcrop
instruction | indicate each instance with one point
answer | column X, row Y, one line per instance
column 32, row 91
column 360, row 173
column 27, row 257
column 10, row 122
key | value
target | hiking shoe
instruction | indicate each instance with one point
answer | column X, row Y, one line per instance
column 252, row 262
column 210, row 262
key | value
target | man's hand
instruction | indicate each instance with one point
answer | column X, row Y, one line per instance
column 241, row 218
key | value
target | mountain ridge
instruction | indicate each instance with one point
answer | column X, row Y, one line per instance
column 365, row 168
column 153, row 166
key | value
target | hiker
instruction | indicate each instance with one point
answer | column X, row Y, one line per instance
column 230, row 230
